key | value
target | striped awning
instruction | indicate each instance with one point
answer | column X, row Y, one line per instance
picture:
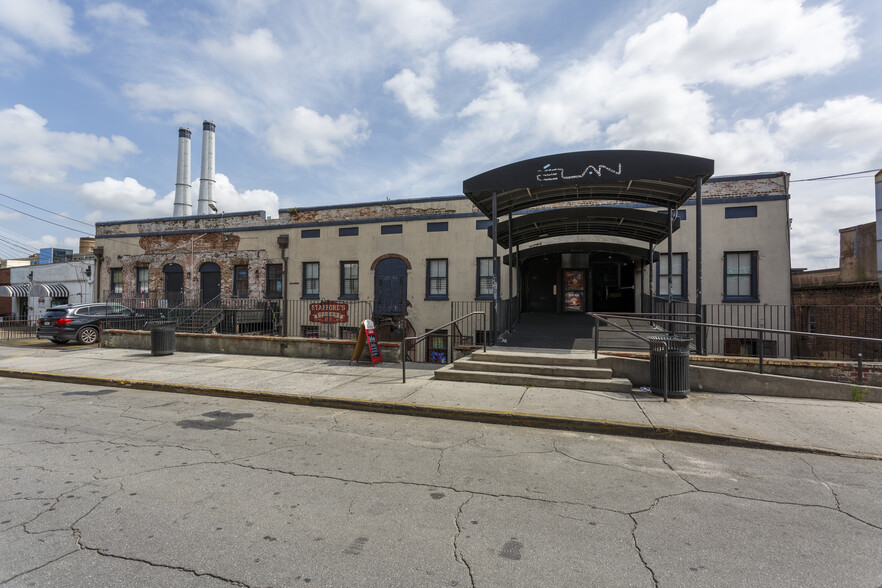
column 51, row 290
column 20, row 290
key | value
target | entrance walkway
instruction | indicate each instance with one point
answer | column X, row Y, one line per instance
column 552, row 331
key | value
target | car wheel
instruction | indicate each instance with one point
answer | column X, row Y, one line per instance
column 59, row 341
column 87, row 335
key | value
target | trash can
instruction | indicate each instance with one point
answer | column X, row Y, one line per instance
column 677, row 364
column 162, row 337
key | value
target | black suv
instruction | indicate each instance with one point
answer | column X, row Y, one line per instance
column 84, row 321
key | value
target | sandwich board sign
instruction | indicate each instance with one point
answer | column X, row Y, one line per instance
column 367, row 336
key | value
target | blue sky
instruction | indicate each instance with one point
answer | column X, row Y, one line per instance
column 340, row 101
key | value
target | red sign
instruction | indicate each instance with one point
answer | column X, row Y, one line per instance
column 374, row 349
column 328, row 313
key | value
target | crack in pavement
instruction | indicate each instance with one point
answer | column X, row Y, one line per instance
column 457, row 552
column 825, row 484
column 600, row 463
column 640, row 406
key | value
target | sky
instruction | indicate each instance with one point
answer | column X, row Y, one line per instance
column 342, row 101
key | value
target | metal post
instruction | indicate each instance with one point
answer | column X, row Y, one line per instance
column 759, row 342
column 699, row 330
column 860, row 362
column 510, row 321
column 667, row 375
column 596, row 335
column 670, row 267
column 495, row 305
column 403, row 363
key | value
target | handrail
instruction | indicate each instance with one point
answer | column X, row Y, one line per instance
column 621, row 328
column 417, row 338
column 859, row 340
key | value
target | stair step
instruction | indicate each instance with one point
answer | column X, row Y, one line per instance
column 535, row 358
column 448, row 373
column 533, row 369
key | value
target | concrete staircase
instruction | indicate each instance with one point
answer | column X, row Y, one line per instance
column 573, row 371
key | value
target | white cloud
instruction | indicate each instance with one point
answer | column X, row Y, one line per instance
column 305, row 137
column 120, row 14
column 470, row 54
column 418, row 24
column 258, row 47
column 48, row 24
column 191, row 102
column 747, row 43
column 32, row 154
column 14, row 57
column 415, row 92
column 127, row 198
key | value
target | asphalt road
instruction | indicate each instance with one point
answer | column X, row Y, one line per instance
column 115, row 487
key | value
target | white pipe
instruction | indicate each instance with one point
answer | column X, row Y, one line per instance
column 206, row 204
column 183, row 207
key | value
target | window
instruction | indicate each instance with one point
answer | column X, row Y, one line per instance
column 116, row 281
column 310, row 279
column 436, row 347
column 740, row 211
column 391, row 229
column 680, row 214
column 484, row 286
column 240, row 281
column 436, row 227
column 309, row 331
column 274, row 280
column 482, row 225
column 310, row 233
column 678, row 276
column 740, row 277
column 348, row 279
column 436, row 279
column 348, row 232
column 143, row 280
column 349, row 333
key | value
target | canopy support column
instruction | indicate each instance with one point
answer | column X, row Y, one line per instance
column 510, row 317
column 699, row 330
column 670, row 268
column 494, row 313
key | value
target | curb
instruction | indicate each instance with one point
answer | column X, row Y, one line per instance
column 516, row 419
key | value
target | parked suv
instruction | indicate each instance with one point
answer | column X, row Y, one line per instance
column 84, row 321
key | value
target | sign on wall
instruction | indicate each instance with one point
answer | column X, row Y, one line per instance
column 328, row 313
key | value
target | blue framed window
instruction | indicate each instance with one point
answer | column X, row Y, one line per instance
column 481, row 225
column 740, row 276
column 349, row 279
column 484, row 279
column 391, row 229
column 310, row 233
column 347, row 231
column 678, row 272
column 680, row 214
column 436, row 227
column 436, row 279
column 740, row 211
column 310, row 279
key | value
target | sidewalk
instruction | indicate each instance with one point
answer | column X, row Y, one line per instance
column 843, row 428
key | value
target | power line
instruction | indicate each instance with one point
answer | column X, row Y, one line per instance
column 46, row 221
column 45, row 210
column 839, row 176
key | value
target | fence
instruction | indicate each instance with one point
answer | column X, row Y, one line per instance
column 12, row 330
column 332, row 319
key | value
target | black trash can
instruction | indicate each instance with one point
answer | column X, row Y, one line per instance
column 677, row 364
column 162, row 337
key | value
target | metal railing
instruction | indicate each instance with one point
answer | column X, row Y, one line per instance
column 449, row 340
column 507, row 316
column 13, row 330
column 341, row 319
column 859, row 342
column 662, row 342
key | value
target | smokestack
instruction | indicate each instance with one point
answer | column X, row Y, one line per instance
column 206, row 182
column 182, row 184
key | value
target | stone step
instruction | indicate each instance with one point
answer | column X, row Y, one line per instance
column 532, row 369
column 585, row 359
column 448, row 373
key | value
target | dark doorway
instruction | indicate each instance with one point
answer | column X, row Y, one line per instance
column 174, row 284
column 540, row 280
column 210, row 283
column 390, row 287
column 612, row 284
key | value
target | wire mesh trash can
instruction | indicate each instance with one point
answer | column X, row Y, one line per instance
column 677, row 365
column 162, row 337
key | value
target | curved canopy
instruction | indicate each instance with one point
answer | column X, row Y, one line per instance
column 630, row 223
column 19, row 290
column 649, row 177
column 52, row 291
column 630, row 251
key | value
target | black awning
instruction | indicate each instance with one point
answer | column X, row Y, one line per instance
column 52, row 290
column 19, row 290
column 649, row 177
column 635, row 253
column 629, row 223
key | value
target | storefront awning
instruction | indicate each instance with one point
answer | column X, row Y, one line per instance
column 648, row 177
column 630, row 223
column 19, row 290
column 599, row 247
column 51, row 290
